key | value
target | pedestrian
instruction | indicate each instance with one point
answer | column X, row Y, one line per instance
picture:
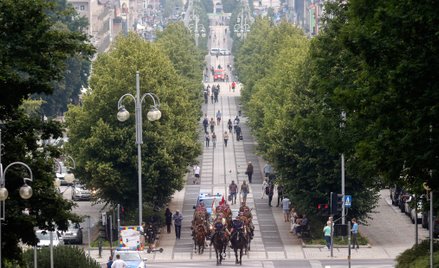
column 238, row 133
column 206, row 96
column 293, row 217
column 205, row 123
column 286, row 208
column 233, row 86
column 168, row 219
column 214, row 140
column 230, row 125
column 264, row 186
column 327, row 234
column 354, row 233
column 270, row 193
column 249, row 171
column 207, row 137
column 233, row 190
column 267, row 170
column 178, row 218
column 110, row 261
column 118, row 263
column 212, row 125
column 280, row 192
column 226, row 138
column 244, row 191
column 211, row 94
column 197, row 171
column 236, row 120
column 218, row 117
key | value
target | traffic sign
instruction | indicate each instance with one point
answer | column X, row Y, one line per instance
column 347, row 201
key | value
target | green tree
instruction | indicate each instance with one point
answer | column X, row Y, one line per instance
column 104, row 148
column 33, row 51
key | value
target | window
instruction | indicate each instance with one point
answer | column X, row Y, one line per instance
column 81, row 7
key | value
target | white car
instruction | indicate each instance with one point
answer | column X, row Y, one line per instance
column 225, row 52
column 132, row 258
column 44, row 238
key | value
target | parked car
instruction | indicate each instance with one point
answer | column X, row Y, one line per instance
column 416, row 215
column 79, row 192
column 73, row 234
column 402, row 200
column 44, row 238
column 132, row 258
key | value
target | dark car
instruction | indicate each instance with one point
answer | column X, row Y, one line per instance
column 73, row 234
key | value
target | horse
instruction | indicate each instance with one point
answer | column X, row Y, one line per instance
column 219, row 242
column 239, row 242
column 199, row 239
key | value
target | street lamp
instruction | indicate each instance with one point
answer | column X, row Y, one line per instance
column 152, row 115
column 25, row 191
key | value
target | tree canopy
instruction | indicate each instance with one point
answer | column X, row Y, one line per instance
column 105, row 149
column 34, row 47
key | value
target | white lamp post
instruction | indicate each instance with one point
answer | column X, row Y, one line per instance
column 153, row 115
column 25, row 191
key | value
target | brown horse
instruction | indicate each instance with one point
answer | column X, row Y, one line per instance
column 199, row 239
column 220, row 242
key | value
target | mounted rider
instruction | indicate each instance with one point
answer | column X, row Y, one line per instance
column 237, row 225
column 220, row 229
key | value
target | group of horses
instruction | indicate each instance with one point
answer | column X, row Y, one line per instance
column 204, row 228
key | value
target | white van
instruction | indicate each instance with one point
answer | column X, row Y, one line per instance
column 215, row 51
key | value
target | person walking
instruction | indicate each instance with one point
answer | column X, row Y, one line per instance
column 249, row 171
column 286, row 208
column 207, row 137
column 110, row 261
column 233, row 191
column 197, row 172
column 214, row 140
column 238, row 133
column 244, row 191
column 218, row 117
column 264, row 187
column 205, row 123
column 354, row 233
column 280, row 193
column 226, row 138
column 327, row 234
column 233, row 86
column 267, row 170
column 212, row 124
column 168, row 220
column 270, row 193
column 178, row 219
column 118, row 263
column 230, row 125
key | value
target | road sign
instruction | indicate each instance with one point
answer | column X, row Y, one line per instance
column 347, row 201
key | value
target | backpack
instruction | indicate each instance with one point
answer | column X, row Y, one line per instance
column 267, row 190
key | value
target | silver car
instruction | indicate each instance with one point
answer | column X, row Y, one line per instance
column 73, row 234
column 79, row 192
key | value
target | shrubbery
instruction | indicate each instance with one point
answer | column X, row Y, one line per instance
column 418, row 256
column 63, row 257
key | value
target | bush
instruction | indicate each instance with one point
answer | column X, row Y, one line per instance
column 63, row 257
column 418, row 256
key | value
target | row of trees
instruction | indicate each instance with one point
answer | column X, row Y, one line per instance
column 105, row 149
column 376, row 63
column 35, row 47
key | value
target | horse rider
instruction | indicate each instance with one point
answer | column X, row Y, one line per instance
column 219, row 227
column 237, row 224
